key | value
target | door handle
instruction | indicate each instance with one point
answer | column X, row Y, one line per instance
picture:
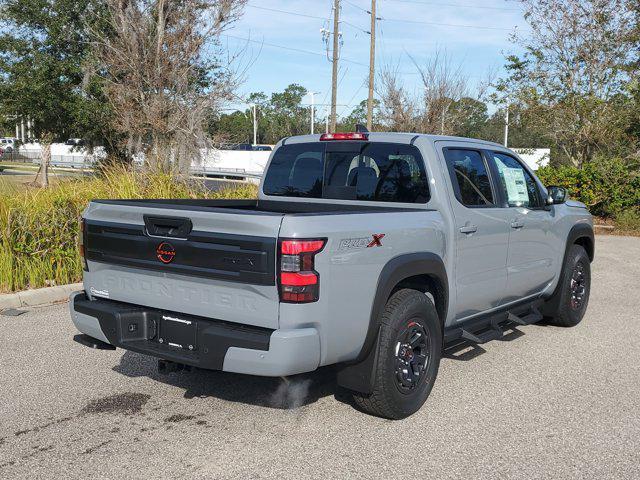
column 469, row 229
column 517, row 224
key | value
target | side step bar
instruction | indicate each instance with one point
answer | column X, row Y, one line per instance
column 533, row 317
column 91, row 342
column 484, row 337
column 483, row 330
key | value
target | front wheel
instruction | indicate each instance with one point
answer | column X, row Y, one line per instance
column 575, row 285
column 409, row 354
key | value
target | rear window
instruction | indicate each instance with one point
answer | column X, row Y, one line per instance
column 382, row 172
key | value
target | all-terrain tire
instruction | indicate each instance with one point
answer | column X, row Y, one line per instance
column 575, row 285
column 408, row 314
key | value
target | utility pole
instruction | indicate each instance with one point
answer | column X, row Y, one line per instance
column 334, row 76
column 506, row 127
column 313, row 110
column 372, row 66
column 255, row 123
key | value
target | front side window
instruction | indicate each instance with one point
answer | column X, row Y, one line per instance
column 470, row 177
column 381, row 172
column 519, row 187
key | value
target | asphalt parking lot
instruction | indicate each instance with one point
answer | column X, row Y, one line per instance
column 544, row 402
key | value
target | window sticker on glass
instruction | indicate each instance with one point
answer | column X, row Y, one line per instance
column 516, row 185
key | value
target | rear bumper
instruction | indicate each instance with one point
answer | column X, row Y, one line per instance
column 230, row 347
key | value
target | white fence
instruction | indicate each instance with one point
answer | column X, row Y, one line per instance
column 240, row 164
column 219, row 163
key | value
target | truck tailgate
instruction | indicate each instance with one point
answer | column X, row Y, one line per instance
column 217, row 263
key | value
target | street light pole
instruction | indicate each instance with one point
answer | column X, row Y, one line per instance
column 506, row 127
column 326, row 111
column 313, row 110
column 255, row 123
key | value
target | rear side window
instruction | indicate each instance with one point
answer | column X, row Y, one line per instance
column 469, row 176
column 383, row 172
column 296, row 171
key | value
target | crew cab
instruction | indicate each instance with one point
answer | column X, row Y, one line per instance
column 369, row 251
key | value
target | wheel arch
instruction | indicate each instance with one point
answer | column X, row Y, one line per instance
column 423, row 271
column 580, row 234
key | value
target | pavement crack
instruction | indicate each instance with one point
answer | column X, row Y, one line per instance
column 93, row 449
column 42, row 427
column 179, row 418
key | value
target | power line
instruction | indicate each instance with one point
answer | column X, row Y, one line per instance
column 298, row 14
column 357, row 6
column 292, row 49
column 354, row 26
column 439, row 24
column 395, row 20
column 420, row 22
column 351, row 104
column 456, row 5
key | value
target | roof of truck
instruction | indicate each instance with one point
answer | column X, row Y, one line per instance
column 394, row 136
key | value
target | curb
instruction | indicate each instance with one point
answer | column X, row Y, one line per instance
column 40, row 296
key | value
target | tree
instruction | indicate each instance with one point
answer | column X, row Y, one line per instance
column 42, row 176
column 572, row 73
column 280, row 115
column 43, row 56
column 398, row 111
column 444, row 85
column 469, row 117
column 164, row 76
column 359, row 116
column 287, row 116
column 437, row 109
column 633, row 69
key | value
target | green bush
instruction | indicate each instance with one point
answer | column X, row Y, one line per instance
column 607, row 186
column 629, row 220
column 39, row 227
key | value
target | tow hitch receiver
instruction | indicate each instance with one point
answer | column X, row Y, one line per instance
column 167, row 366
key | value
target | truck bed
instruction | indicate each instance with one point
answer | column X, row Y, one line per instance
column 256, row 206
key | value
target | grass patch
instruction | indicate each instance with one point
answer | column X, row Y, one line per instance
column 39, row 227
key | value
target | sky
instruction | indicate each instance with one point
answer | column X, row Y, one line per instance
column 283, row 48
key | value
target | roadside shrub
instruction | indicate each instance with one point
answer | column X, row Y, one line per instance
column 39, row 227
column 608, row 186
column 629, row 220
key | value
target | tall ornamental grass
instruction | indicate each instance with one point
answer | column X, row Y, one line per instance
column 39, row 227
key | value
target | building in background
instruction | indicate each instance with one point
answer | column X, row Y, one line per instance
column 534, row 157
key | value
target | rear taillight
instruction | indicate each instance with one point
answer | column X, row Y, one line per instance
column 299, row 282
column 81, row 241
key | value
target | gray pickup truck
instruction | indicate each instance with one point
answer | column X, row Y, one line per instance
column 368, row 251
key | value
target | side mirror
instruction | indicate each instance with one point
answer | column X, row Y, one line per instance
column 557, row 195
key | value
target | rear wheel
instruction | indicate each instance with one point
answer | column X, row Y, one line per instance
column 575, row 286
column 409, row 354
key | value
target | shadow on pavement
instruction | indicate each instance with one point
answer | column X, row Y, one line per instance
column 280, row 393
